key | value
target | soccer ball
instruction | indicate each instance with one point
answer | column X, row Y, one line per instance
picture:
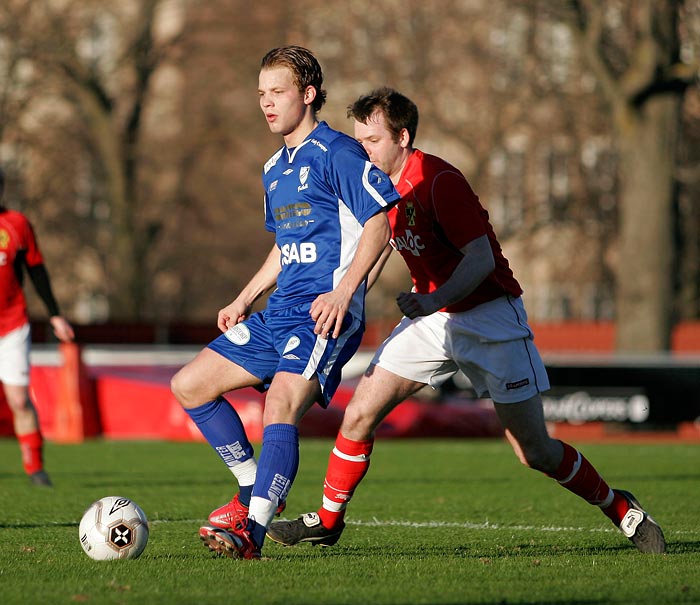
column 113, row 528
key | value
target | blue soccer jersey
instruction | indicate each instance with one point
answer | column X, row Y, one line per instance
column 318, row 196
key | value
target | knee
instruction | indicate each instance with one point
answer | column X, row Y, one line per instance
column 357, row 424
column 182, row 388
column 540, row 456
column 18, row 401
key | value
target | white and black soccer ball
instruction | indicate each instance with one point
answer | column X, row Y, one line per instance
column 113, row 528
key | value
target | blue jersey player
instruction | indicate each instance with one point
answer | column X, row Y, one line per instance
column 326, row 204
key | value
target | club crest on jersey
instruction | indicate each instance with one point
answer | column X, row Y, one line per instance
column 238, row 334
column 410, row 214
column 303, row 176
column 4, row 238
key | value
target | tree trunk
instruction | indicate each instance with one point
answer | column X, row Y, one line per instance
column 647, row 137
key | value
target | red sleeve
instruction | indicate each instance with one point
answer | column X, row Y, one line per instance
column 457, row 209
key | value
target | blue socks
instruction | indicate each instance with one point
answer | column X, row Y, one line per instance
column 278, row 462
column 277, row 467
column 223, row 429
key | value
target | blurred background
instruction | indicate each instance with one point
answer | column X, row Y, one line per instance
column 131, row 136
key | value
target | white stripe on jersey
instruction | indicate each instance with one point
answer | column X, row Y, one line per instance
column 366, row 184
column 273, row 160
column 350, row 233
column 290, row 156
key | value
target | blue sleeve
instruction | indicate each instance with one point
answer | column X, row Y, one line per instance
column 269, row 219
column 362, row 187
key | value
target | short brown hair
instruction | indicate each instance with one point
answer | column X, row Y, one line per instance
column 399, row 111
column 305, row 68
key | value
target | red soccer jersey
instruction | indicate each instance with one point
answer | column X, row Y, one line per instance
column 17, row 245
column 437, row 216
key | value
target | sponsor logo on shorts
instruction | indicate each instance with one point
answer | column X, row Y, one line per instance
column 516, row 385
column 292, row 344
column 238, row 334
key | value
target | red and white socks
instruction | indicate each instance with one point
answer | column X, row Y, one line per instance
column 578, row 475
column 347, row 465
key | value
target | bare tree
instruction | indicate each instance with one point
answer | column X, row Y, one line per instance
column 633, row 50
column 141, row 142
column 99, row 63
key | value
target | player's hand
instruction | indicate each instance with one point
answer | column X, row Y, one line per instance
column 62, row 329
column 414, row 305
column 232, row 314
column 328, row 311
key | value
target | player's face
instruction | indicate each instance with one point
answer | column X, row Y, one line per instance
column 384, row 152
column 280, row 100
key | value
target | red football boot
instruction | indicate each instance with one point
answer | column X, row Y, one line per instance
column 231, row 515
column 236, row 543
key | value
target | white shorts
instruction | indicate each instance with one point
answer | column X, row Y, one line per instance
column 492, row 344
column 14, row 356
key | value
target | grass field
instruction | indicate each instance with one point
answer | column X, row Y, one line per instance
column 435, row 521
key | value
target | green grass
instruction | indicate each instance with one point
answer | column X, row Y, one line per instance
column 453, row 521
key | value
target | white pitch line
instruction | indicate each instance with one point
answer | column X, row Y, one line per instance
column 485, row 525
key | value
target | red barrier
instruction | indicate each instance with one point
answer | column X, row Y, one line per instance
column 76, row 409
column 136, row 403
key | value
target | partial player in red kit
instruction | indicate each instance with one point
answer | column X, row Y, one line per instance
column 19, row 251
column 465, row 313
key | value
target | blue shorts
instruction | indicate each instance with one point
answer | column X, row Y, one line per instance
column 284, row 341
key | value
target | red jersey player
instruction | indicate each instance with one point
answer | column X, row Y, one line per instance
column 464, row 313
column 19, row 250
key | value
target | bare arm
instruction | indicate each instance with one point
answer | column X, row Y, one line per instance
column 329, row 309
column 261, row 282
column 378, row 267
column 475, row 267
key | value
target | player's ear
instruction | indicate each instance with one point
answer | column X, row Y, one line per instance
column 309, row 95
column 404, row 138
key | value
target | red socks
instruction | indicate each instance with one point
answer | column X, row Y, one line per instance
column 579, row 476
column 31, row 446
column 349, row 462
column 347, row 465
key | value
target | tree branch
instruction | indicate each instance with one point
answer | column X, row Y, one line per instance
column 588, row 29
